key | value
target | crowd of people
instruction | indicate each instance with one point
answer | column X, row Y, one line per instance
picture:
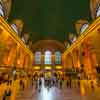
column 47, row 82
column 53, row 81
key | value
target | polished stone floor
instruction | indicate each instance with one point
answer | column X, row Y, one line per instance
column 55, row 93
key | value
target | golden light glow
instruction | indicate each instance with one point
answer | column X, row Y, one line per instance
column 37, row 67
column 60, row 72
column 58, row 67
column 88, row 48
column 89, row 32
column 10, row 45
column 18, row 62
column 8, row 30
column 48, row 67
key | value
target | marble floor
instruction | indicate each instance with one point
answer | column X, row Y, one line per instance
column 55, row 93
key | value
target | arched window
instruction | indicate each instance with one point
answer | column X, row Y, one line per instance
column 73, row 39
column 38, row 57
column 23, row 39
column 84, row 27
column 68, row 45
column 98, row 11
column 1, row 10
column 57, row 57
column 47, row 59
column 14, row 28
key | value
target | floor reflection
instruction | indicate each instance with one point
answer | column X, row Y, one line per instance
column 49, row 94
column 54, row 93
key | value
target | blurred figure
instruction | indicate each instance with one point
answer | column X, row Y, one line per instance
column 7, row 93
column 36, row 82
column 60, row 83
column 78, row 82
column 92, row 85
column 39, row 84
column 32, row 81
column 21, row 83
column 70, row 82
column 67, row 83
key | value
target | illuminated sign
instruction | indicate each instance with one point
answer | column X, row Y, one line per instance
column 48, row 67
column 37, row 67
column 58, row 67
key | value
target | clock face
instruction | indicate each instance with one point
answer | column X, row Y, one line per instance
column 83, row 28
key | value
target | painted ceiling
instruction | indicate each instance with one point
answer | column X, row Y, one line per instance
column 50, row 19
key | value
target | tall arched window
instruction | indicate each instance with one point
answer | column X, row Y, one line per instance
column 98, row 11
column 67, row 45
column 84, row 27
column 38, row 57
column 57, row 57
column 14, row 27
column 48, row 56
column 73, row 39
column 1, row 10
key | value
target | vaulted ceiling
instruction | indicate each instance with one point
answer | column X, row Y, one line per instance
column 50, row 19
